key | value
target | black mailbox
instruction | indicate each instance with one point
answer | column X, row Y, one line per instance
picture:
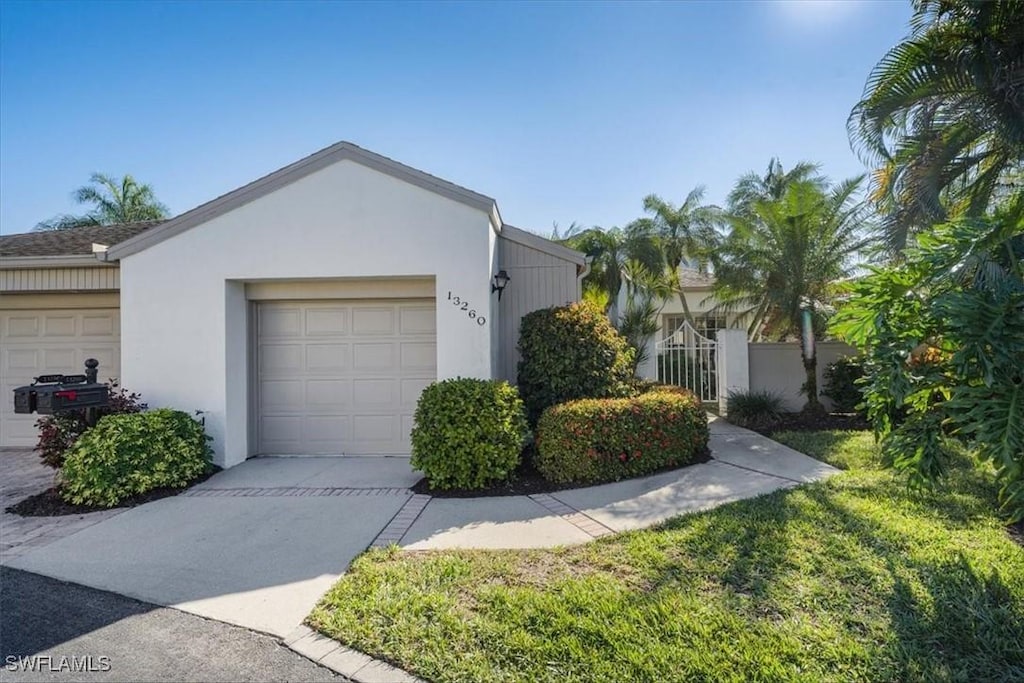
column 51, row 394
column 70, row 395
column 25, row 399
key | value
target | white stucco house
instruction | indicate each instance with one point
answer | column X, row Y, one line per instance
column 302, row 313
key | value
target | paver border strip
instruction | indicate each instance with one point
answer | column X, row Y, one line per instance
column 329, row 653
column 578, row 519
column 396, row 529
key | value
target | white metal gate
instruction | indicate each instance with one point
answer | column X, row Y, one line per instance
column 686, row 358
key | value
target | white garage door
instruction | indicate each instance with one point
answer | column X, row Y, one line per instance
column 342, row 377
column 38, row 342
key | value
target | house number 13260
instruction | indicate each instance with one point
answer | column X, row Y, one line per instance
column 462, row 305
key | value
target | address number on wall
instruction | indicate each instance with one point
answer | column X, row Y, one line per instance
column 463, row 305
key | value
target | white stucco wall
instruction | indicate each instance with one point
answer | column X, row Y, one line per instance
column 183, row 310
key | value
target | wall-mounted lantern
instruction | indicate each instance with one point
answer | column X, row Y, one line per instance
column 499, row 282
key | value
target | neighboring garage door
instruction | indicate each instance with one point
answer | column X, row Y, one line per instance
column 36, row 342
column 342, row 377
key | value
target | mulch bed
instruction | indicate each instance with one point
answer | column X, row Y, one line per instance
column 527, row 481
column 50, row 504
column 801, row 422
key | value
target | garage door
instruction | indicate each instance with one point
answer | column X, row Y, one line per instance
column 37, row 342
column 342, row 377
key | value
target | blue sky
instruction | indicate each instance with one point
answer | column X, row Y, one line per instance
column 562, row 112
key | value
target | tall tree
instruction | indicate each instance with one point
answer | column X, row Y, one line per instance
column 781, row 257
column 753, row 187
column 113, row 201
column 683, row 233
column 942, row 115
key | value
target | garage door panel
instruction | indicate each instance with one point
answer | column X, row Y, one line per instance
column 373, row 321
column 328, row 321
column 418, row 320
column 328, row 358
column 283, row 395
column 328, row 394
column 373, row 356
column 411, row 390
column 99, row 325
column 22, row 326
column 60, row 326
column 34, row 343
column 373, row 429
column 361, row 366
column 419, row 356
column 371, row 393
column 281, row 359
column 22, row 362
column 281, row 321
column 324, row 432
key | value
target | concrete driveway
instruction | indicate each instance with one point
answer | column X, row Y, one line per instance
column 255, row 545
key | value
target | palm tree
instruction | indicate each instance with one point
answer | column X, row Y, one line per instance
column 782, row 257
column 752, row 187
column 113, row 202
column 683, row 232
column 942, row 115
column 608, row 251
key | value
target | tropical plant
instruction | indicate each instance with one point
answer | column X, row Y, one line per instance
column 608, row 251
column 753, row 187
column 132, row 453
column 756, row 409
column 943, row 333
column 646, row 294
column 780, row 260
column 942, row 115
column 843, row 380
column 683, row 234
column 113, row 201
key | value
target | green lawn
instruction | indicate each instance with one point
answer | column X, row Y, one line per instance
column 855, row 578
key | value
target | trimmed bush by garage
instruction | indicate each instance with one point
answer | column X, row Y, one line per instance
column 571, row 352
column 468, row 433
column 592, row 441
column 129, row 454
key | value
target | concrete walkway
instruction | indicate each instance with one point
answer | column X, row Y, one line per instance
column 257, row 545
column 744, row 464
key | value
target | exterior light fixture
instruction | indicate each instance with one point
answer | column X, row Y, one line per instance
column 499, row 282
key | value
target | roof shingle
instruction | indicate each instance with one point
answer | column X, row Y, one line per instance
column 70, row 242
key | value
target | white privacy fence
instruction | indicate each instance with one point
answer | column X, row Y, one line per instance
column 686, row 358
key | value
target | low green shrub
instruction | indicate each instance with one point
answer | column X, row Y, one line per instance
column 58, row 432
column 842, row 384
column 468, row 433
column 128, row 454
column 598, row 440
column 754, row 409
column 571, row 352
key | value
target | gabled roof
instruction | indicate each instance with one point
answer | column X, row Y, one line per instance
column 296, row 171
column 70, row 241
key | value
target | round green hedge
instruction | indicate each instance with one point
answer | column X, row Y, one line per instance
column 468, row 433
column 593, row 441
column 571, row 352
column 128, row 454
